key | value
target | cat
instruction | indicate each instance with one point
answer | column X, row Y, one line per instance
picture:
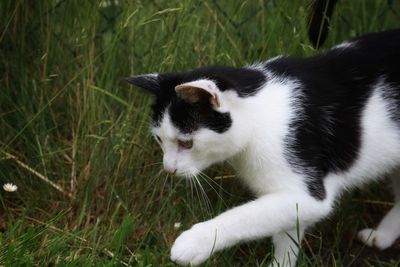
column 319, row 21
column 298, row 131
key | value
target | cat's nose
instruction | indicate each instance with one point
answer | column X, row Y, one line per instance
column 170, row 170
column 169, row 162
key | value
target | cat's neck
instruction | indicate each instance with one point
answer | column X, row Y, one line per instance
column 265, row 117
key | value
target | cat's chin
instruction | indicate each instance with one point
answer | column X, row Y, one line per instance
column 188, row 173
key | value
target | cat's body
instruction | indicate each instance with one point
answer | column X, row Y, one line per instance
column 298, row 131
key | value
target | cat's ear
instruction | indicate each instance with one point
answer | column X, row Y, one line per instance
column 199, row 91
column 148, row 82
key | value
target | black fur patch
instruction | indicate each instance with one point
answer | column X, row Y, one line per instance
column 190, row 117
column 334, row 89
column 319, row 21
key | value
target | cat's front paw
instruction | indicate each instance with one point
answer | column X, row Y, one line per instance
column 374, row 238
column 194, row 246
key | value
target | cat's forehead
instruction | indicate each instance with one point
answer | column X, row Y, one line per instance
column 165, row 128
column 181, row 118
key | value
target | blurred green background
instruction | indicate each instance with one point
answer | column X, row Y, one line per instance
column 74, row 136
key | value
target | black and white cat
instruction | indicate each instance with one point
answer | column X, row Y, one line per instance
column 299, row 132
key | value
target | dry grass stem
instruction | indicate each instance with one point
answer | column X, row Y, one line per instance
column 39, row 175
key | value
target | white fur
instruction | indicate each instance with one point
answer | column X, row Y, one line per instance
column 345, row 45
column 255, row 147
column 388, row 229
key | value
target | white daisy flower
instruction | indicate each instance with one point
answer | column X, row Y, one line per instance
column 9, row 187
column 177, row 225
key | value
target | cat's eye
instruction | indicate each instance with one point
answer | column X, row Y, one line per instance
column 185, row 144
column 158, row 139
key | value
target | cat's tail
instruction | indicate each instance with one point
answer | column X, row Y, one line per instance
column 319, row 20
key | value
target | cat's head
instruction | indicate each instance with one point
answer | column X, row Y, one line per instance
column 196, row 114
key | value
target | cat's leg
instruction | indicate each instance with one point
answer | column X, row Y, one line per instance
column 388, row 229
column 266, row 216
column 286, row 247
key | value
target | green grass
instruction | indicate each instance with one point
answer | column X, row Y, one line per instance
column 66, row 116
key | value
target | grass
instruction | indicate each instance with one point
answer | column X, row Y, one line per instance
column 74, row 137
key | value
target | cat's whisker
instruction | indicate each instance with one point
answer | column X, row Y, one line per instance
column 149, row 165
column 189, row 179
column 191, row 189
column 205, row 178
column 153, row 179
column 215, row 183
column 190, row 194
column 197, row 192
column 230, row 163
column 156, row 163
column 207, row 201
